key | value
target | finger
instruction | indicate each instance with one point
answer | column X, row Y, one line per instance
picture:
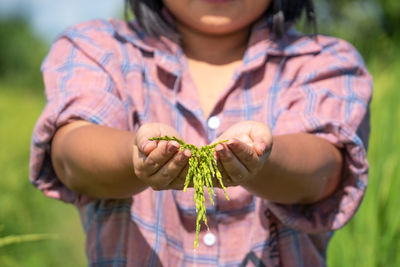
column 244, row 153
column 226, row 179
column 179, row 182
column 262, row 139
column 145, row 132
column 170, row 171
column 148, row 146
column 150, row 130
column 148, row 165
column 233, row 167
column 138, row 163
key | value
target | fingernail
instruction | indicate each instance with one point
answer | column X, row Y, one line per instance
column 172, row 148
column 175, row 144
column 187, row 153
column 230, row 142
column 219, row 148
column 222, row 151
column 183, row 157
column 261, row 147
column 145, row 143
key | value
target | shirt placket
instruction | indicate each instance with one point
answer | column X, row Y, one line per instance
column 187, row 98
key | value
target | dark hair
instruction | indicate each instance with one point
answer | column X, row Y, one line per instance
column 283, row 14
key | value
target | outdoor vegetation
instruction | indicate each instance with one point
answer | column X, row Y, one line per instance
column 36, row 231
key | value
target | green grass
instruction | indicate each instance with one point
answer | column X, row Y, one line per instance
column 372, row 238
column 24, row 211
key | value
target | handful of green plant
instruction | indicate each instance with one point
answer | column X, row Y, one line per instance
column 202, row 169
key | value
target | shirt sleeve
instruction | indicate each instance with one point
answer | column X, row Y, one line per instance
column 330, row 99
column 78, row 87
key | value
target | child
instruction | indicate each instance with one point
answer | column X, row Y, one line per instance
column 293, row 107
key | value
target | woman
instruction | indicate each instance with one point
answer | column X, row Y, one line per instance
column 293, row 108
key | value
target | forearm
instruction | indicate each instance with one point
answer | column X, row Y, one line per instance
column 301, row 168
column 95, row 160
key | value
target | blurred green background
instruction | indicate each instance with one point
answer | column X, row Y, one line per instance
column 36, row 231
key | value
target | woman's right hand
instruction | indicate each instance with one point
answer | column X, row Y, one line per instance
column 159, row 164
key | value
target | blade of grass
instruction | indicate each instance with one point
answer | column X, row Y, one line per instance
column 16, row 239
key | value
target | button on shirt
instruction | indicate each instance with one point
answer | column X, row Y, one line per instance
column 209, row 239
column 112, row 74
column 213, row 122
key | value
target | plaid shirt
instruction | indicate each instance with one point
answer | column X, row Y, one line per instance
column 112, row 73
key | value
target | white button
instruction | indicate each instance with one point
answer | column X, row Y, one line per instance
column 214, row 122
column 209, row 239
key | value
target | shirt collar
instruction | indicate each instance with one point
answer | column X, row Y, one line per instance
column 167, row 53
column 261, row 44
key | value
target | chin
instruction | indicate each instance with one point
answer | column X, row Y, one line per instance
column 218, row 25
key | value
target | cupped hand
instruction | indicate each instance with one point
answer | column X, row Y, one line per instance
column 242, row 157
column 159, row 164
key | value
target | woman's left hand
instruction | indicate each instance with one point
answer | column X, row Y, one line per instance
column 242, row 157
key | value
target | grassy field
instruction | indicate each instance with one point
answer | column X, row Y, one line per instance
column 372, row 238
column 23, row 209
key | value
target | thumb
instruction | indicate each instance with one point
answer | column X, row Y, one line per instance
column 262, row 138
column 144, row 133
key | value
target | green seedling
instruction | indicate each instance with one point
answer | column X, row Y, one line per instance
column 202, row 169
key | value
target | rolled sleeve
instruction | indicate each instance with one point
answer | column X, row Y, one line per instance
column 78, row 87
column 330, row 98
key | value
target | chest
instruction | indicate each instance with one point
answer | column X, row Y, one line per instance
column 204, row 95
column 210, row 82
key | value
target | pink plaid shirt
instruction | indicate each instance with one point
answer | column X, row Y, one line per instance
column 112, row 73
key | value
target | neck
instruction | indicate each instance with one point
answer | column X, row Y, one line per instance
column 213, row 48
